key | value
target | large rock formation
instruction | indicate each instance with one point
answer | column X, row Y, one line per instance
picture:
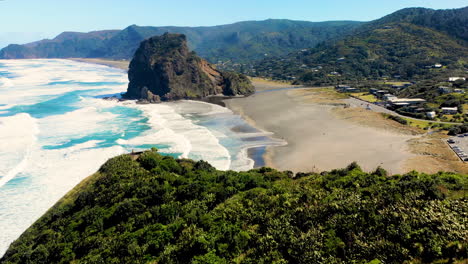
column 163, row 68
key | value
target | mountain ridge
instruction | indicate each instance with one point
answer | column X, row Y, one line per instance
column 238, row 41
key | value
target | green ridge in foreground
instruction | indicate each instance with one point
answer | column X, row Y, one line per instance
column 157, row 209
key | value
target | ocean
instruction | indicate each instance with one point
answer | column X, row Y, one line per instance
column 56, row 129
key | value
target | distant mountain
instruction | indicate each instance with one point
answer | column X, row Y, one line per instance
column 404, row 44
column 65, row 45
column 243, row 41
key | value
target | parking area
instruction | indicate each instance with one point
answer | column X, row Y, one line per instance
column 459, row 145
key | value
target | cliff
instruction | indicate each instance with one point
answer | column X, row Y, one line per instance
column 163, row 68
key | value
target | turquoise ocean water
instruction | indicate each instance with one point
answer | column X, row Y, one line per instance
column 55, row 130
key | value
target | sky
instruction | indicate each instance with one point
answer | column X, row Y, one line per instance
column 23, row 21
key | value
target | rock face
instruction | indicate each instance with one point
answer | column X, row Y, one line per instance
column 164, row 69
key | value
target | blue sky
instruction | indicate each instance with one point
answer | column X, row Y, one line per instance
column 27, row 20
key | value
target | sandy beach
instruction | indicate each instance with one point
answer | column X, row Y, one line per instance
column 323, row 134
column 121, row 64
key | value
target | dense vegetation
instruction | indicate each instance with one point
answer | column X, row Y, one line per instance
column 243, row 41
column 404, row 45
column 455, row 130
column 156, row 209
column 450, row 21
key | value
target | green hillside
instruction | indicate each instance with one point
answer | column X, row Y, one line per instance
column 453, row 22
column 243, row 41
column 397, row 46
column 160, row 210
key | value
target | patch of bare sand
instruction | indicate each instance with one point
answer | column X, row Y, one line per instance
column 264, row 84
column 319, row 95
column 433, row 155
column 372, row 119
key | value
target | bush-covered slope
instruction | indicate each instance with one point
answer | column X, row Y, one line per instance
column 157, row 209
column 451, row 21
column 243, row 41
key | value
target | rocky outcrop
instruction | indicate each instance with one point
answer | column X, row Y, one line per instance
column 163, row 68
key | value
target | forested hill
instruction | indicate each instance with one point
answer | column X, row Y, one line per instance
column 404, row 45
column 454, row 22
column 157, row 209
column 243, row 41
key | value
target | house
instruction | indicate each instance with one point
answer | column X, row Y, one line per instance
column 346, row 89
column 452, row 79
column 400, row 102
column 381, row 93
column 388, row 97
column 342, row 87
column 444, row 90
column 460, row 91
column 449, row 110
column 373, row 90
column 431, row 114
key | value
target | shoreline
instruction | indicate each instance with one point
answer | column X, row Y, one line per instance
column 118, row 64
column 320, row 135
column 255, row 153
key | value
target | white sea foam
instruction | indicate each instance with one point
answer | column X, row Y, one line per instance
column 84, row 121
column 33, row 76
column 17, row 137
column 5, row 82
column 42, row 72
column 183, row 135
